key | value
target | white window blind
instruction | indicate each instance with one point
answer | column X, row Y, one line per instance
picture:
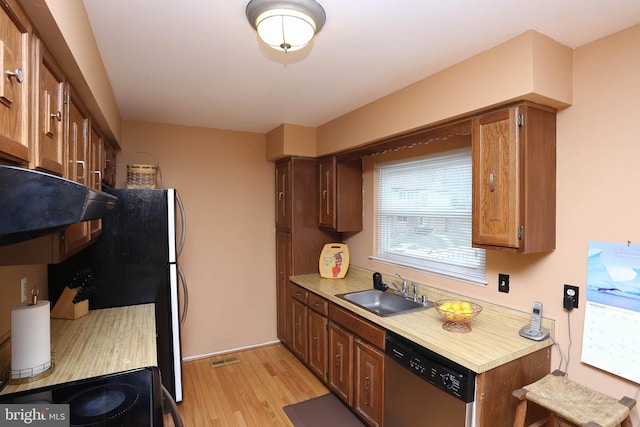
column 424, row 216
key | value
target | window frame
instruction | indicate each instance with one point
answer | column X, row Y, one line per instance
column 474, row 275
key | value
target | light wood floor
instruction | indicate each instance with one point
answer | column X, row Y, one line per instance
column 250, row 392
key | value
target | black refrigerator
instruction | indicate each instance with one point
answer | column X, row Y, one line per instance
column 135, row 261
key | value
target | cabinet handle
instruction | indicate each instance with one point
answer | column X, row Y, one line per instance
column 367, row 382
column 337, row 360
column 80, row 177
column 57, row 116
column 492, row 187
column 18, row 74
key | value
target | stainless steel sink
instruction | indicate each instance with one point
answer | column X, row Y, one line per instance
column 382, row 303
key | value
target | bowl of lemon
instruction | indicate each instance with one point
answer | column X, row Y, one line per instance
column 457, row 314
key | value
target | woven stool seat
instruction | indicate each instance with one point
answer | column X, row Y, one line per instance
column 573, row 402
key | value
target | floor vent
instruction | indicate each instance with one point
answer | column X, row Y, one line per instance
column 223, row 362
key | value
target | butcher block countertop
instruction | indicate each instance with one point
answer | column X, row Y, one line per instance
column 493, row 341
column 102, row 342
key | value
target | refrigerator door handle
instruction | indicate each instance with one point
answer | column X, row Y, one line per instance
column 185, row 295
column 183, row 221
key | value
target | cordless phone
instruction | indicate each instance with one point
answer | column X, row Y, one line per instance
column 533, row 330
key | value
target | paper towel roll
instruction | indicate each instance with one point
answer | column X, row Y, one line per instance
column 30, row 339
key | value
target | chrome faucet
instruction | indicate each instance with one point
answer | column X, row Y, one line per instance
column 405, row 286
column 415, row 291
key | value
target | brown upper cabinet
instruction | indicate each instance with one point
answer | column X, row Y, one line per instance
column 340, row 194
column 283, row 195
column 15, row 33
column 49, row 148
column 77, row 236
column 514, row 179
column 109, row 165
column 96, row 162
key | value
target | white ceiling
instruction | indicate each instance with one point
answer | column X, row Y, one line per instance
column 199, row 62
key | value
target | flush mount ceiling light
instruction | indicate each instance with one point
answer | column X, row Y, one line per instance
column 286, row 25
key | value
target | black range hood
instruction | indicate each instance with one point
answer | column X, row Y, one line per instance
column 34, row 203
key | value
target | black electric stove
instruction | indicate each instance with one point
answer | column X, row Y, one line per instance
column 123, row 399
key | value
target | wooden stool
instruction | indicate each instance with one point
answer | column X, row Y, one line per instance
column 572, row 403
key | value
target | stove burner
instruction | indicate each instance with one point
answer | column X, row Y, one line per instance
column 102, row 403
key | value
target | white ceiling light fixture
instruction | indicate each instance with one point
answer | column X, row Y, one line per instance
column 286, row 25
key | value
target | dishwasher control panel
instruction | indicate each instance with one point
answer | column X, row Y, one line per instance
column 445, row 374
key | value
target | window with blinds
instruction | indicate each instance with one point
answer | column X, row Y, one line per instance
column 424, row 216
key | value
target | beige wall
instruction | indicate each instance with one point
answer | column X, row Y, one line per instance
column 597, row 176
column 530, row 66
column 227, row 188
column 290, row 140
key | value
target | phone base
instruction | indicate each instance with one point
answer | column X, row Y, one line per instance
column 533, row 334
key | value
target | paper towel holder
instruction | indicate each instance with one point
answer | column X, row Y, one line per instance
column 26, row 376
column 34, row 295
column 32, row 373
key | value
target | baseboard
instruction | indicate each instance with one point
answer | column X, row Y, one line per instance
column 218, row 353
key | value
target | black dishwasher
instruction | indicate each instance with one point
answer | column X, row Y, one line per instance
column 423, row 388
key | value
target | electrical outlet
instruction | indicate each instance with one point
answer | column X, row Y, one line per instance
column 503, row 283
column 570, row 297
column 23, row 289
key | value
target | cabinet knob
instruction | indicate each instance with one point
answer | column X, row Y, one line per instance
column 280, row 195
column 57, row 116
column 18, row 74
column 337, row 360
column 324, row 194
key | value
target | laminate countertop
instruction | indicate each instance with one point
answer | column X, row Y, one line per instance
column 493, row 341
column 102, row 342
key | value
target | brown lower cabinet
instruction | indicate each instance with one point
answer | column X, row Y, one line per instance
column 346, row 352
column 369, row 382
column 356, row 363
column 341, row 362
column 318, row 327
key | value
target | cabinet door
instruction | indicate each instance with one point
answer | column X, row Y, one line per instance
column 14, row 84
column 283, row 195
column 341, row 363
column 50, row 145
column 496, row 181
column 77, row 142
column 340, row 194
column 76, row 236
column 514, row 179
column 327, row 192
column 96, row 151
column 318, row 340
column 300, row 337
column 283, row 301
column 109, row 165
column 369, row 383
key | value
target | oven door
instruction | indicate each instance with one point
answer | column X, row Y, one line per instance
column 130, row 398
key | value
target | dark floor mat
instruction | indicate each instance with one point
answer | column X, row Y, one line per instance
column 322, row 411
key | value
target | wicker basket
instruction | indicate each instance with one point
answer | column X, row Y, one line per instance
column 142, row 175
